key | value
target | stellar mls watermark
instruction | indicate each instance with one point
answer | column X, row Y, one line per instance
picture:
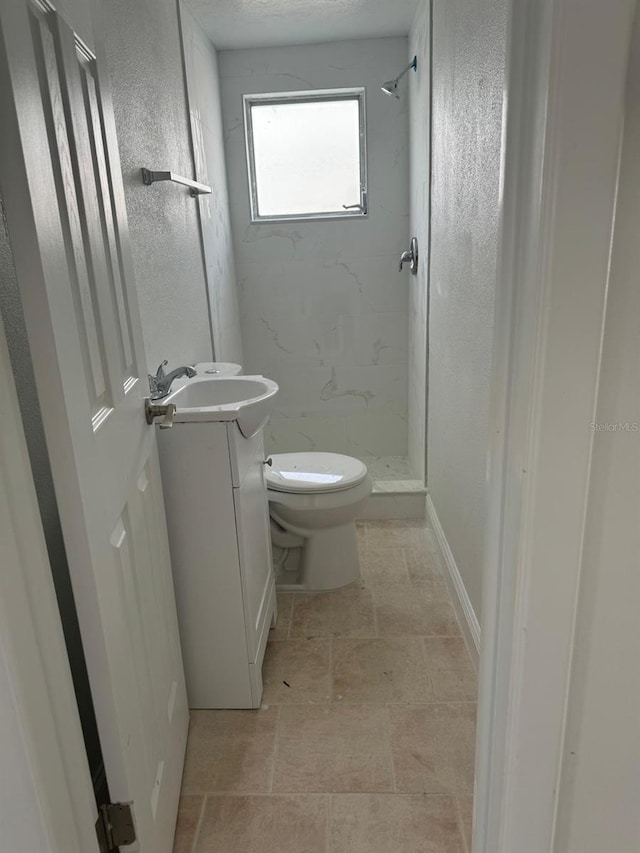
column 617, row 426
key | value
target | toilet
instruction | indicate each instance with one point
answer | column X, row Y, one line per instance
column 314, row 499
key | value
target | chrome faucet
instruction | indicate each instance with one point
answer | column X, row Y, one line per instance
column 160, row 384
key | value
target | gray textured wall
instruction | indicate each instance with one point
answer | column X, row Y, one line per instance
column 144, row 54
column 468, row 77
column 203, row 86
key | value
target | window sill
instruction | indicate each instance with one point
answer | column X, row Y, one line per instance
column 312, row 217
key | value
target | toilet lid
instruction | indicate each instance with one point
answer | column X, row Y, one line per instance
column 314, row 472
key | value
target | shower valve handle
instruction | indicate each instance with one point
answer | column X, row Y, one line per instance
column 410, row 257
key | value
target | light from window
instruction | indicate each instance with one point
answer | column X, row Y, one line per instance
column 306, row 154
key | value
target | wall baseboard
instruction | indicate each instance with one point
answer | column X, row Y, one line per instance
column 461, row 601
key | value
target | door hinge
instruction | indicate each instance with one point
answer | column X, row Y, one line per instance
column 115, row 826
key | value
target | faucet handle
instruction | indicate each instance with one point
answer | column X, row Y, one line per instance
column 167, row 421
column 160, row 370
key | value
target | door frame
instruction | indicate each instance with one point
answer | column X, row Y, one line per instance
column 55, row 800
column 562, row 131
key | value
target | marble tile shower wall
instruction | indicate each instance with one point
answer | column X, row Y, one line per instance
column 323, row 308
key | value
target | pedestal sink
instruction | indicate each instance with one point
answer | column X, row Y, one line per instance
column 248, row 400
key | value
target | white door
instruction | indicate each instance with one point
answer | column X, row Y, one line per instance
column 61, row 184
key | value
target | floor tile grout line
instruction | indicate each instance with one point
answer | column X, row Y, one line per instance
column 460, row 823
column 196, row 837
column 425, row 657
column 376, row 627
column 391, row 759
column 314, row 637
column 280, row 795
column 275, row 750
column 291, row 608
column 375, row 704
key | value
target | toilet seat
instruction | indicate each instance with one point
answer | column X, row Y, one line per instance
column 317, row 502
column 314, row 473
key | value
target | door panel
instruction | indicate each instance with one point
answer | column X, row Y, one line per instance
column 83, row 288
column 254, row 548
column 62, row 187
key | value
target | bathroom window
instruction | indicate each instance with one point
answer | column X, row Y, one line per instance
column 306, row 154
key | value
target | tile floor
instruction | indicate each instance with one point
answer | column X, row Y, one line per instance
column 365, row 741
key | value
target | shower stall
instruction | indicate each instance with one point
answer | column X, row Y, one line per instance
column 324, row 309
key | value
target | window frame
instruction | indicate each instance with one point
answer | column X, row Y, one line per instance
column 306, row 96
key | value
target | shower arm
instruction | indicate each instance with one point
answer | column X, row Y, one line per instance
column 413, row 64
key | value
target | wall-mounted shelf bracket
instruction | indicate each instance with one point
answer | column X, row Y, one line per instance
column 150, row 177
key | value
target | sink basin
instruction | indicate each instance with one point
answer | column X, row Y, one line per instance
column 246, row 399
column 204, row 393
column 209, row 369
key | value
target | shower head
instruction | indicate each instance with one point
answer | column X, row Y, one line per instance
column 391, row 86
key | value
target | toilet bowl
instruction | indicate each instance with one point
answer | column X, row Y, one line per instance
column 314, row 499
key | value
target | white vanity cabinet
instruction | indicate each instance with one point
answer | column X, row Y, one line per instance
column 218, row 520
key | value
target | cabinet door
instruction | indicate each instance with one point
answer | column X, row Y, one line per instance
column 254, row 546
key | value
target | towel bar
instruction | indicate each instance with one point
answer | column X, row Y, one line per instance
column 150, row 177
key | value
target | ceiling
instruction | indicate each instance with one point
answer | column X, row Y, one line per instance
column 268, row 23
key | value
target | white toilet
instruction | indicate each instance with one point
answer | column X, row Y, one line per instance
column 314, row 499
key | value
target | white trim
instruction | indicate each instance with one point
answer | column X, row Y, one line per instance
column 461, row 601
column 35, row 679
column 564, row 114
